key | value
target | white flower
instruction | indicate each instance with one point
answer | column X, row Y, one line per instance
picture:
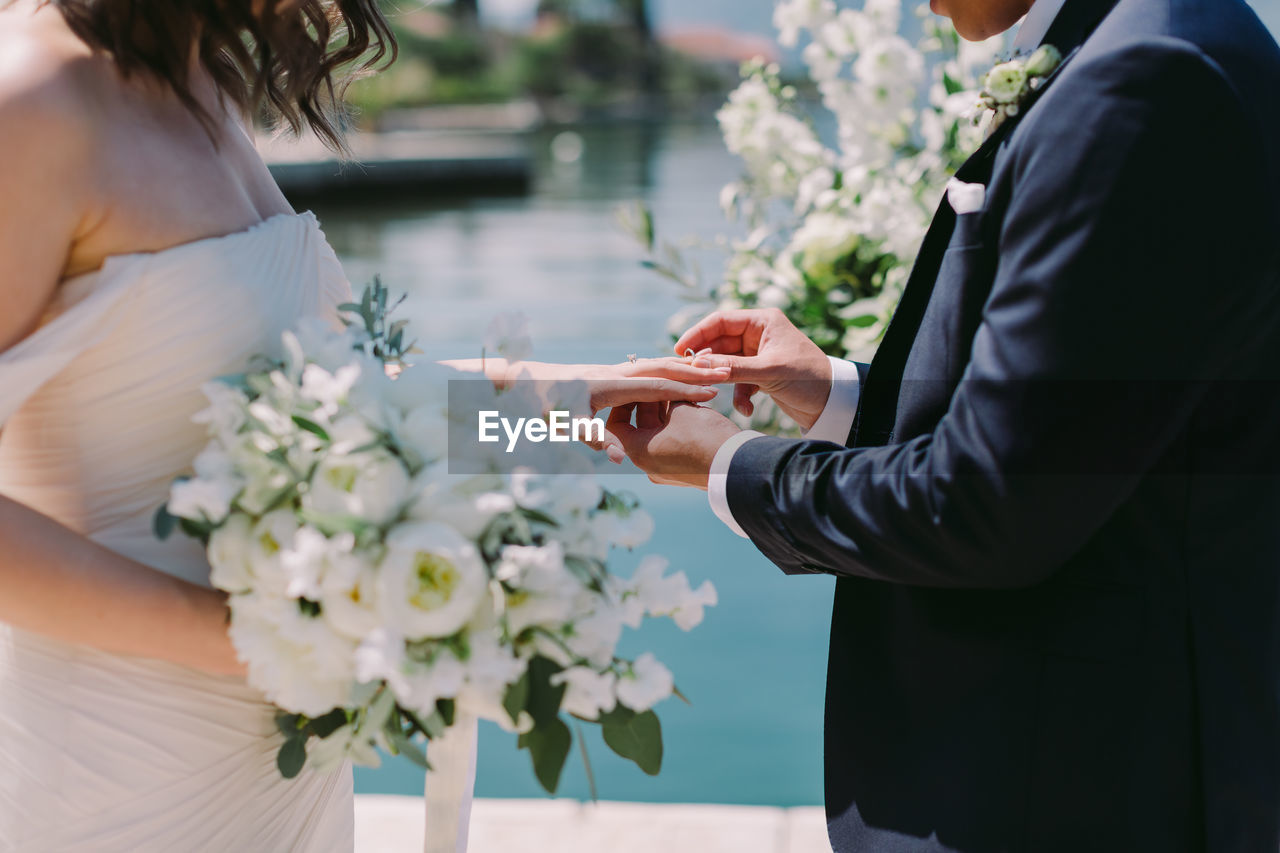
column 543, row 589
column 1006, row 82
column 372, row 487
column 226, row 413
column 321, row 343
column 424, row 434
column 381, row 657
column 329, row 389
column 589, row 693
column 647, row 684
column 349, row 595
column 595, row 637
column 431, row 580
column 201, row 499
column 668, row 596
column 229, row 555
column 508, row 336
column 490, row 668
column 464, row 504
column 1043, row 62
column 624, row 530
column 271, row 537
column 294, row 659
column 823, row 241
column 306, row 558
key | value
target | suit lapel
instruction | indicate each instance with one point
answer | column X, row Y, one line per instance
column 877, row 406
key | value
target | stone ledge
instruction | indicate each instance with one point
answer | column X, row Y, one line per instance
column 393, row 824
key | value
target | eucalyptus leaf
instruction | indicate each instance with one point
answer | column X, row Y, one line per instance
column 292, row 756
column 548, row 746
column 311, row 427
column 637, row 737
column 163, row 523
column 544, row 697
column 517, row 698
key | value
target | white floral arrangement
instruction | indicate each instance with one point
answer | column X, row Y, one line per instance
column 831, row 230
column 374, row 596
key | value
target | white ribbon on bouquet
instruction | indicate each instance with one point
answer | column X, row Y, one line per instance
column 450, row 785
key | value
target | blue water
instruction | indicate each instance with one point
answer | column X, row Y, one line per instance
column 755, row 669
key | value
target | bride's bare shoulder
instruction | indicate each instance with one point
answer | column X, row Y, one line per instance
column 47, row 78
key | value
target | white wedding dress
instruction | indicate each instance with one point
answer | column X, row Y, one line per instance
column 100, row 752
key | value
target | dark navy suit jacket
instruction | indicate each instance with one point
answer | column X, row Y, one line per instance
column 1056, row 528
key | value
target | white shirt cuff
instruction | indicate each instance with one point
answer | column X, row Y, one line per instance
column 718, row 481
column 842, row 405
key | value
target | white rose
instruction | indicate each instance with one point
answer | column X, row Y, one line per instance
column 371, row 487
column 349, row 595
column 431, row 580
column 822, row 242
column 589, row 693
column 1006, row 82
column 271, row 536
column 294, row 659
column 229, row 555
column 647, row 684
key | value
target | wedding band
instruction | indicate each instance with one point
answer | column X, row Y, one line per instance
column 631, row 357
column 689, row 353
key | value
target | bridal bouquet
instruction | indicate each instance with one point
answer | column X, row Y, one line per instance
column 831, row 230
column 374, row 596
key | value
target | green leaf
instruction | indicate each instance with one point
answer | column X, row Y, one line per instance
column 403, row 745
column 637, row 737
column 288, row 724
column 544, row 698
column 292, row 756
column 349, row 307
column 311, row 427
column 324, row 726
column 163, row 523
column 539, row 517
column 447, row 709
column 517, row 698
column 548, row 746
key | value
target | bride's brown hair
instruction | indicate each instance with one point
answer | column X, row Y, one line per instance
column 290, row 58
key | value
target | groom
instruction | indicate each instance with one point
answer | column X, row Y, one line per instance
column 1055, row 517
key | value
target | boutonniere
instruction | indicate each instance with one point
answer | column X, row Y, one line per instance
column 1006, row 87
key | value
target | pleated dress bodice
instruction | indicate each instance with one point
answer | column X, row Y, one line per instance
column 111, row 753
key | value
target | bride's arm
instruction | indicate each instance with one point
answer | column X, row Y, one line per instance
column 53, row 581
column 59, row 584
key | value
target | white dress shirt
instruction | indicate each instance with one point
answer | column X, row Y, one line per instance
column 837, row 418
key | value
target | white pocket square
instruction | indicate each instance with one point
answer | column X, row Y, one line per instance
column 966, row 198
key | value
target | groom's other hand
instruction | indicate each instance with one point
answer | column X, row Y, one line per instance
column 764, row 352
column 675, row 443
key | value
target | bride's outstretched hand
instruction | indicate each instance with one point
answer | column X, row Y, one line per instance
column 644, row 380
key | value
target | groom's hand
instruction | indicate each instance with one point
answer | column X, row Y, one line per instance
column 674, row 443
column 764, row 352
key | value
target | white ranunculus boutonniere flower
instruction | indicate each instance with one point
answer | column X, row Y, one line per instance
column 1006, row 87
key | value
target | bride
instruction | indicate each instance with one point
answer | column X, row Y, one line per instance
column 144, row 249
